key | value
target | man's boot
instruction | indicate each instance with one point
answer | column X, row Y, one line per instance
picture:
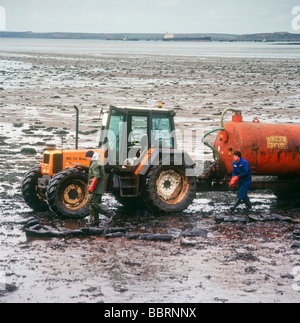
column 248, row 204
column 94, row 217
column 237, row 203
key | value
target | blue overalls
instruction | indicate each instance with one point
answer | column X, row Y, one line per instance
column 242, row 170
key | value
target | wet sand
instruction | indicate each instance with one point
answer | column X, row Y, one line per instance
column 236, row 262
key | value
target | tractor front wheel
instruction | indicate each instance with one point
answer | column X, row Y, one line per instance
column 67, row 194
column 33, row 194
column 169, row 189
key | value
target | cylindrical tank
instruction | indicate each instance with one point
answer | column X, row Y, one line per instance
column 270, row 149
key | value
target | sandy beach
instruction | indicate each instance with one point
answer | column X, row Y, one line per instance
column 235, row 262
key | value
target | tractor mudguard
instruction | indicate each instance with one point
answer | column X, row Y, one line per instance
column 86, row 168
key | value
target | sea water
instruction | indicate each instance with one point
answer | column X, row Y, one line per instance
column 130, row 48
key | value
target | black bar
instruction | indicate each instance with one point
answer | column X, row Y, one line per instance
column 77, row 126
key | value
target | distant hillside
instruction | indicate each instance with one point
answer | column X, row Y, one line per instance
column 115, row 36
column 269, row 37
column 99, row 36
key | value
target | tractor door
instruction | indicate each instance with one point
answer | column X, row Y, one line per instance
column 137, row 134
column 115, row 136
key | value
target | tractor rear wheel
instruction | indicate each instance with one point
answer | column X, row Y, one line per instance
column 168, row 189
column 67, row 194
column 34, row 196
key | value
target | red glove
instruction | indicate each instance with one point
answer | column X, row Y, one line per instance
column 93, row 185
column 233, row 181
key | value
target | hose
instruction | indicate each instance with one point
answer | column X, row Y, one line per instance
column 216, row 154
column 208, row 145
column 223, row 115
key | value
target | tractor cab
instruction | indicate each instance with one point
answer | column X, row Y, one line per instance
column 142, row 161
column 129, row 133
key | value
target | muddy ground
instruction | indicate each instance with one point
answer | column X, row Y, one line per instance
column 234, row 262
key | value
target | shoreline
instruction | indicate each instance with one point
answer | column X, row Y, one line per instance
column 257, row 37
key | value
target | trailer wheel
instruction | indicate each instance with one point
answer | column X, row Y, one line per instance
column 32, row 194
column 168, row 189
column 67, row 194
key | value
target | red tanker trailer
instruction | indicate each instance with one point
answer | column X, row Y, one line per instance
column 272, row 150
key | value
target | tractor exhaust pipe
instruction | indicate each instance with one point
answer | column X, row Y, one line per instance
column 77, row 126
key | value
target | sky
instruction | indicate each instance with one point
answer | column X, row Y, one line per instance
column 151, row 16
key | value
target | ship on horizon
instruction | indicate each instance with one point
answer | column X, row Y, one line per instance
column 172, row 37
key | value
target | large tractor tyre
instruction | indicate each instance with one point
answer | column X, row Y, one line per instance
column 168, row 189
column 67, row 194
column 33, row 196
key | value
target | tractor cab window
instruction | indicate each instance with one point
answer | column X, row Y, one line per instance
column 162, row 135
column 115, row 131
column 138, row 128
column 137, row 135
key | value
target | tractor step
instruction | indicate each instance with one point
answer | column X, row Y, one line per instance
column 129, row 185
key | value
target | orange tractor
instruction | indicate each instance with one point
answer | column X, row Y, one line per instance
column 142, row 163
column 144, row 167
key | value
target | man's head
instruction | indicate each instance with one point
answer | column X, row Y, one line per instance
column 237, row 155
column 89, row 155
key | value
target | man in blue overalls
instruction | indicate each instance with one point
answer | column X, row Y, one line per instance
column 241, row 172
